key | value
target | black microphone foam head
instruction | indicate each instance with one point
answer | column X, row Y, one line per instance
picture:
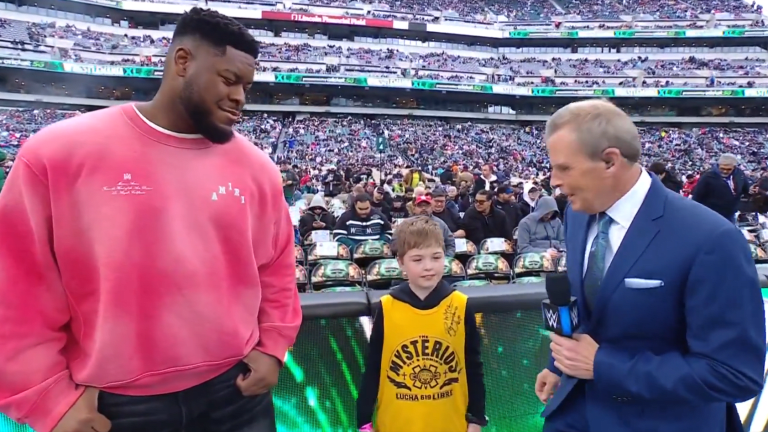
column 558, row 289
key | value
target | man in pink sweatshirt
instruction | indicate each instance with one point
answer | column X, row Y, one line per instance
column 147, row 272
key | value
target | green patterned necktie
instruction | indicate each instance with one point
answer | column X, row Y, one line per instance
column 596, row 260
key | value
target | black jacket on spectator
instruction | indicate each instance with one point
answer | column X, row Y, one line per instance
column 446, row 177
column 384, row 207
column 451, row 219
column 307, row 219
column 525, row 208
column 479, row 227
column 713, row 191
column 671, row 182
column 480, row 184
column 512, row 210
column 398, row 209
column 332, row 183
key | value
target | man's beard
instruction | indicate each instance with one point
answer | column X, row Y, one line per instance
column 201, row 117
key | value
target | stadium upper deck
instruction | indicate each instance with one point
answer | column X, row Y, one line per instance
column 647, row 20
column 33, row 37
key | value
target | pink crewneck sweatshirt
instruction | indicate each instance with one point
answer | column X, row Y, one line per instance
column 137, row 261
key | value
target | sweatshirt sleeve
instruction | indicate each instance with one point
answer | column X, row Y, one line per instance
column 279, row 316
column 35, row 385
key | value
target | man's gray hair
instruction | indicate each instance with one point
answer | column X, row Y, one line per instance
column 598, row 125
column 728, row 159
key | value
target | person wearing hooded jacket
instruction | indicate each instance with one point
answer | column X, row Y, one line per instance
column 529, row 196
column 542, row 230
column 316, row 217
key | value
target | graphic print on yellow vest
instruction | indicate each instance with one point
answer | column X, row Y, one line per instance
column 423, row 382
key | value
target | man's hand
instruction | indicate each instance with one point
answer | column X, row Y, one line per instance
column 263, row 375
column 318, row 224
column 754, row 190
column 553, row 253
column 473, row 428
column 574, row 357
column 547, row 383
column 84, row 415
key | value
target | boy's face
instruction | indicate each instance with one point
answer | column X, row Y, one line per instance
column 423, row 266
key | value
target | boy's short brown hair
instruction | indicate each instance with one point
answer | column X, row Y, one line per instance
column 417, row 232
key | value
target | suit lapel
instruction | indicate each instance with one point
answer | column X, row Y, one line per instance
column 639, row 235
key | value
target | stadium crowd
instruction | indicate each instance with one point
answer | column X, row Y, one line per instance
column 390, row 60
column 524, row 10
column 312, row 145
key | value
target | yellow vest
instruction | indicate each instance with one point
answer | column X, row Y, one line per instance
column 415, row 180
column 423, row 382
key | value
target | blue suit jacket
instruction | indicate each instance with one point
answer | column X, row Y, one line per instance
column 676, row 357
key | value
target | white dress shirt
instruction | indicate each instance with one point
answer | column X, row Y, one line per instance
column 622, row 213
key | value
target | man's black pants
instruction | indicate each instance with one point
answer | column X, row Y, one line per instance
column 216, row 405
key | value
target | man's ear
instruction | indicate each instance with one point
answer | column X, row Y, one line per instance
column 182, row 58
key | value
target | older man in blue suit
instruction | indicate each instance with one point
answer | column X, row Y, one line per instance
column 673, row 328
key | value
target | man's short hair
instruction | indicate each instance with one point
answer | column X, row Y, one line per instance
column 417, row 232
column 485, row 193
column 217, row 30
column 728, row 159
column 658, row 168
column 598, row 125
column 361, row 198
column 439, row 192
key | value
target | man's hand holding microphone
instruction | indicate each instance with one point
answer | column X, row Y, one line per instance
column 574, row 353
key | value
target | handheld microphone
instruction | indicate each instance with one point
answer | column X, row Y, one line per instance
column 560, row 312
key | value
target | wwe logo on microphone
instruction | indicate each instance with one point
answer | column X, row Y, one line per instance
column 575, row 317
column 551, row 317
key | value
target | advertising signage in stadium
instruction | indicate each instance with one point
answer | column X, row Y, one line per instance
column 326, row 19
column 405, row 83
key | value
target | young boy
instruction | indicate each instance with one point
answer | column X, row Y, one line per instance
column 424, row 372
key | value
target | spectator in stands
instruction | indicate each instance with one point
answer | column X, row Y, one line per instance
column 465, row 177
column 356, row 190
column 361, row 223
column 422, row 206
column 413, row 177
column 446, row 177
column 382, row 202
column 505, row 201
column 332, row 182
column 487, row 180
column 542, row 230
column 290, row 181
column 690, row 184
column 722, row 187
column 760, row 194
column 417, row 192
column 529, row 196
column 483, row 220
column 399, row 208
column 441, row 211
column 668, row 179
column 316, row 217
